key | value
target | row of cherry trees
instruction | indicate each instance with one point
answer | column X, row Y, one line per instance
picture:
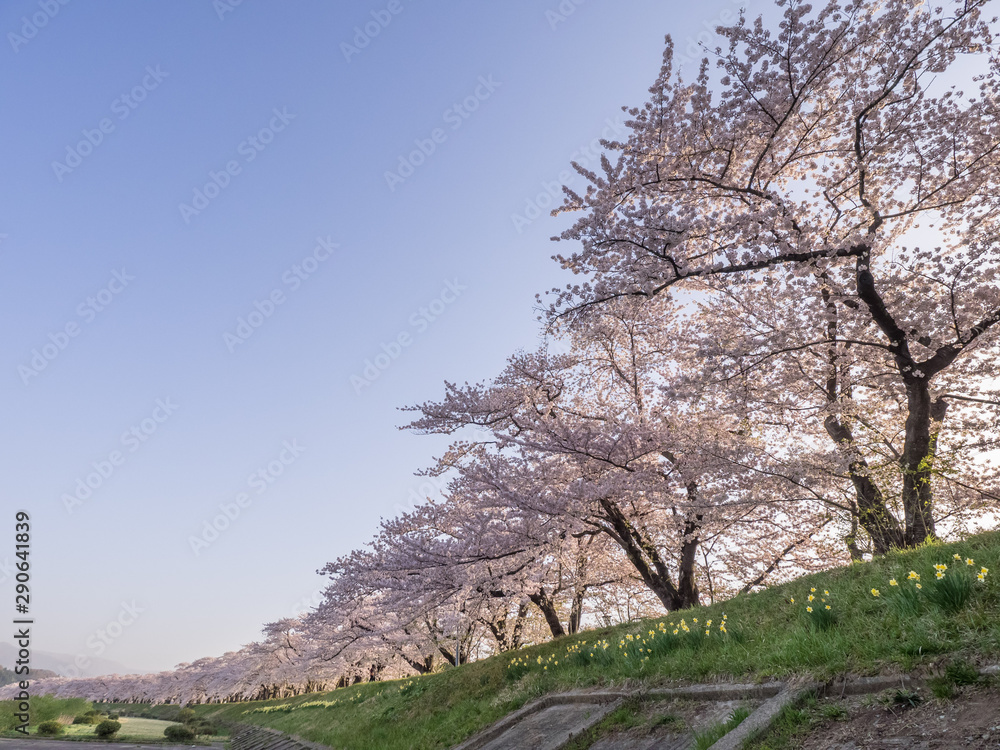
column 781, row 357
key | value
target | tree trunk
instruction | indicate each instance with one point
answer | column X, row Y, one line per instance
column 922, row 424
column 873, row 514
column 687, row 585
column 576, row 610
column 425, row 666
column 541, row 600
column 646, row 559
column 522, row 618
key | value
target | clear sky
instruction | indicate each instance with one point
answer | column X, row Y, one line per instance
column 217, row 222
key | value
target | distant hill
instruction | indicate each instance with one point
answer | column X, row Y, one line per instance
column 7, row 676
column 44, row 661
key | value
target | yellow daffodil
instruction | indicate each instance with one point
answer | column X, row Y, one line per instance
column 892, row 582
column 970, row 562
column 875, row 592
column 809, row 609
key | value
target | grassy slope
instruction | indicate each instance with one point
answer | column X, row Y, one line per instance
column 768, row 637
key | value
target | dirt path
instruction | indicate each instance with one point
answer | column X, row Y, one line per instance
column 969, row 720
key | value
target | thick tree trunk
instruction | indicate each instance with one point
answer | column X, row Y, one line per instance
column 576, row 610
column 508, row 638
column 544, row 603
column 870, row 510
column 873, row 513
column 648, row 562
column 918, row 457
column 518, row 634
column 424, row 666
column 687, row 584
column 851, row 540
column 652, row 572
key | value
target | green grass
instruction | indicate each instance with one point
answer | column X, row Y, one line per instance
column 133, row 729
column 42, row 708
column 708, row 737
column 46, row 708
column 624, row 717
column 790, row 726
column 768, row 637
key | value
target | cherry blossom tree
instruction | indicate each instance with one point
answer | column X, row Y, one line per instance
column 595, row 440
column 815, row 164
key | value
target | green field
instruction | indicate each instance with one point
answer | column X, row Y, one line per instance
column 46, row 708
column 132, row 729
column 767, row 636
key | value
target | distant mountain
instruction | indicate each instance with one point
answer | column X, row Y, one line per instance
column 8, row 676
column 43, row 661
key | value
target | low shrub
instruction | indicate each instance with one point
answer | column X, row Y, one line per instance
column 178, row 732
column 203, row 727
column 107, row 728
column 50, row 728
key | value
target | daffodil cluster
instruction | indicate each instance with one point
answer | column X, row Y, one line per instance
column 636, row 648
column 950, row 589
column 818, row 608
column 285, row 708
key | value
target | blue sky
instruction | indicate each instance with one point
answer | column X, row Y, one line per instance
column 213, row 217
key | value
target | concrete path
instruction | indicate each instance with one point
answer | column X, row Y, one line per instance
column 549, row 723
column 670, row 742
column 550, row 728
